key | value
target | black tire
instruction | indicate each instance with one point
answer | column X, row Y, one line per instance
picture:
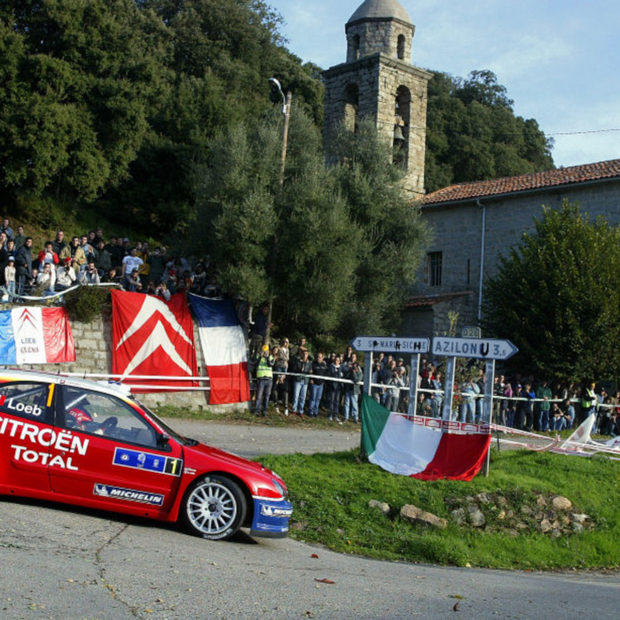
column 214, row 507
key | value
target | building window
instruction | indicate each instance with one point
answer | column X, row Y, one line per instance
column 400, row 47
column 433, row 266
column 351, row 100
column 402, row 105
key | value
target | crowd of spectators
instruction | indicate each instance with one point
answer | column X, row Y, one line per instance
column 304, row 384
column 92, row 259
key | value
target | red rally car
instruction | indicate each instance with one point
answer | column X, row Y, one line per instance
column 91, row 444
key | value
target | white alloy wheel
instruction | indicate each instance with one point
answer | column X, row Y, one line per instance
column 214, row 508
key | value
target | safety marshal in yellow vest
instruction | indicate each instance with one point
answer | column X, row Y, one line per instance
column 264, row 379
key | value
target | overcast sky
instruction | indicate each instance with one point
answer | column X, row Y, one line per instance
column 559, row 59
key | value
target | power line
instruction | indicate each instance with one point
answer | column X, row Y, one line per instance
column 579, row 133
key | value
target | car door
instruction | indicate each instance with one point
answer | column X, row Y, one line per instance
column 113, row 452
column 26, row 434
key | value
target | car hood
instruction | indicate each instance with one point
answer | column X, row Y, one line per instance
column 194, row 455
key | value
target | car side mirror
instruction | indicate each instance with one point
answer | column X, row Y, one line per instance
column 163, row 439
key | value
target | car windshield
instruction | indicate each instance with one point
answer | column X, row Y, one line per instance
column 186, row 441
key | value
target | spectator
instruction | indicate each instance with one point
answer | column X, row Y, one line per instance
column 103, row 261
column 544, row 407
column 393, row 392
column 87, row 247
column 281, row 380
column 352, row 392
column 335, row 371
column 319, row 369
column 157, row 262
column 6, row 228
column 264, row 380
column 65, row 275
column 19, row 238
column 59, row 244
column 47, row 255
column 76, row 253
column 116, row 251
column 90, row 275
column 130, row 282
column 301, row 365
column 111, row 276
column 9, row 276
column 259, row 330
column 130, row 262
column 46, row 278
column 23, row 265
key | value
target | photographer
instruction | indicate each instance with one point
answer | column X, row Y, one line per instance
column 90, row 275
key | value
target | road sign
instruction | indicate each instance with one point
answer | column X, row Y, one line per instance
column 479, row 348
column 397, row 345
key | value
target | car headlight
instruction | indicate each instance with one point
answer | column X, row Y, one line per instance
column 278, row 486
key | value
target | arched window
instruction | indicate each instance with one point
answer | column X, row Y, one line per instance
column 351, row 97
column 402, row 112
column 356, row 46
column 400, row 47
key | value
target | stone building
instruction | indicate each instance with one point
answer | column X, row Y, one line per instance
column 475, row 223
column 378, row 81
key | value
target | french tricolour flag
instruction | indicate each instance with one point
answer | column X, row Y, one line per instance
column 224, row 348
column 32, row 335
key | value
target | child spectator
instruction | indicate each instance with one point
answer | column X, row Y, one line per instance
column 9, row 276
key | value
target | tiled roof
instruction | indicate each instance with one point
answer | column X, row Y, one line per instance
column 430, row 300
column 536, row 180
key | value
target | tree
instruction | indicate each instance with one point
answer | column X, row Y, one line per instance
column 81, row 78
column 220, row 54
column 473, row 133
column 294, row 244
column 393, row 235
column 557, row 297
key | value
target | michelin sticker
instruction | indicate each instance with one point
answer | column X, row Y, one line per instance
column 130, row 495
column 137, row 459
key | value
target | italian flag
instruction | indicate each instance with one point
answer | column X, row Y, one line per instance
column 401, row 446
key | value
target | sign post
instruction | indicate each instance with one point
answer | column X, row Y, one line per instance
column 412, row 346
column 486, row 349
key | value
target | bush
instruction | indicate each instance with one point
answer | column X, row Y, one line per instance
column 86, row 303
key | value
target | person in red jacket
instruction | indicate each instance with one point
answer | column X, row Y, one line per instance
column 47, row 255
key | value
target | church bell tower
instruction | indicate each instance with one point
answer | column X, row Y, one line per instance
column 378, row 81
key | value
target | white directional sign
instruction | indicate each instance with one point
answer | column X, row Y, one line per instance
column 480, row 348
column 385, row 344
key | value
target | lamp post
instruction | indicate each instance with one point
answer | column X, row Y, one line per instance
column 276, row 89
column 277, row 93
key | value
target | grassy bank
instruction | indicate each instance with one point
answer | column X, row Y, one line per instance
column 330, row 494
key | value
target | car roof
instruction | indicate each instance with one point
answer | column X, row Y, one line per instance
column 12, row 374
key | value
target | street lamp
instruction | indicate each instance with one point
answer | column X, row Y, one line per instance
column 276, row 91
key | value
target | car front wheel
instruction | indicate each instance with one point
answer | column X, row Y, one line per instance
column 214, row 508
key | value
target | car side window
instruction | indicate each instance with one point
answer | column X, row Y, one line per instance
column 26, row 400
column 103, row 414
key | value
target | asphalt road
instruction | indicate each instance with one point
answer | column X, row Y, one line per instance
column 58, row 562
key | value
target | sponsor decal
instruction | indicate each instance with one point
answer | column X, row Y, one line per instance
column 273, row 511
column 432, row 422
column 418, row 420
column 136, row 459
column 33, row 410
column 130, row 495
column 190, row 471
column 46, row 437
